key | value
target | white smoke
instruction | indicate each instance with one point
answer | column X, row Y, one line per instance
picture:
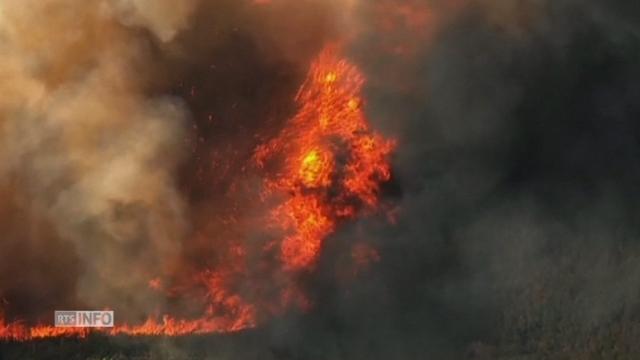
column 98, row 153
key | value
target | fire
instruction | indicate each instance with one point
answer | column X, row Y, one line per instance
column 169, row 326
column 19, row 331
column 315, row 169
column 333, row 163
column 324, row 168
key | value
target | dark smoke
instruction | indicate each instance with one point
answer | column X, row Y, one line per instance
column 518, row 168
column 517, row 175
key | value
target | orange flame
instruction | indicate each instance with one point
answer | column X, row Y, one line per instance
column 169, row 326
column 333, row 163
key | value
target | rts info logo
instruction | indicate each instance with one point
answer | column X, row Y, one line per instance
column 83, row 318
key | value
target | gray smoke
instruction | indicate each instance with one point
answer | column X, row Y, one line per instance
column 516, row 181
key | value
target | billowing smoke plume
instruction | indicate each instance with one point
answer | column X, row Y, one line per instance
column 87, row 157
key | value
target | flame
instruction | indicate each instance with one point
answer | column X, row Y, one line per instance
column 333, row 163
column 315, row 169
column 324, row 168
column 169, row 326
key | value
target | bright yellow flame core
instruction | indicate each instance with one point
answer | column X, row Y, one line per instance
column 315, row 169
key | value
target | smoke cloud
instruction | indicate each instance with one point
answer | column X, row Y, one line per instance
column 92, row 154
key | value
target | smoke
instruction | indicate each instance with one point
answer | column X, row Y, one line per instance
column 164, row 19
column 89, row 150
